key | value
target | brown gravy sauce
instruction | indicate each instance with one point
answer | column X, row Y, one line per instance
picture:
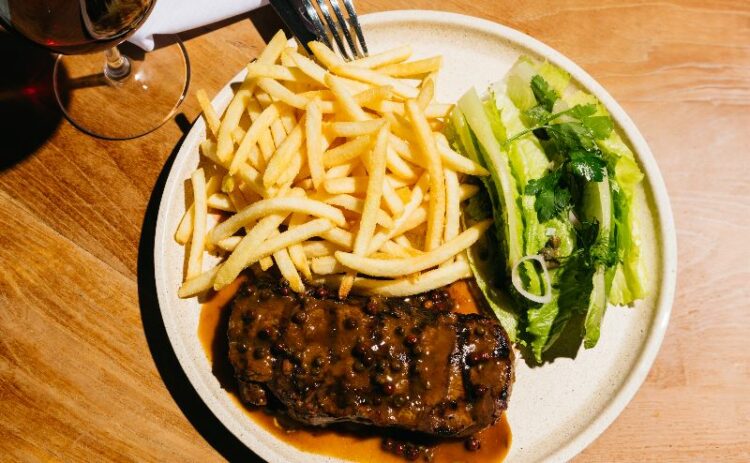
column 361, row 445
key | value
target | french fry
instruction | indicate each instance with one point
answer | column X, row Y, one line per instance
column 237, row 134
column 419, row 215
column 286, row 58
column 415, row 201
column 225, row 144
column 185, row 228
column 308, row 66
column 281, row 191
column 274, row 206
column 236, row 200
column 339, row 237
column 254, row 109
column 426, row 142
column 437, row 110
column 344, row 240
column 376, row 78
column 374, row 191
column 403, row 148
column 314, row 133
column 399, row 167
column 272, row 71
column 391, row 199
column 376, row 98
column 288, row 271
column 345, row 98
column 265, row 263
column 281, row 93
column 465, row 191
column 404, row 242
column 263, row 98
column 265, row 140
column 318, row 248
column 251, row 178
column 249, row 254
column 395, row 55
column 247, row 193
column 278, row 133
column 198, row 241
column 449, row 158
column 452, row 206
column 327, row 265
column 426, row 93
column 357, row 205
column 278, row 72
column 221, row 202
column 345, row 152
column 342, row 170
column 325, row 55
column 400, row 126
column 402, row 287
column 209, row 113
column 374, row 95
column 296, row 251
column 283, row 155
column 253, row 135
column 294, row 168
column 413, row 68
column 345, row 185
column 237, row 260
column 228, row 244
column 386, row 106
column 457, row 162
column 207, row 149
column 288, row 119
column 417, row 218
column 198, row 284
column 355, row 184
column 228, row 183
column 356, row 128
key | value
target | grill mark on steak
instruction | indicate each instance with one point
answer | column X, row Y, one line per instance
column 383, row 362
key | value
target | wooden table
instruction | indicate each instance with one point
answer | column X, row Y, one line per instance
column 87, row 374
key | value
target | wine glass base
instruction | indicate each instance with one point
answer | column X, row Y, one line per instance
column 128, row 108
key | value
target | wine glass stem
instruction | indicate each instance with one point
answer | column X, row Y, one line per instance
column 117, row 67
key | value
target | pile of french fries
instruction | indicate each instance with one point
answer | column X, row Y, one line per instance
column 334, row 171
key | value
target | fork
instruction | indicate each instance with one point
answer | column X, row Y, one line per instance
column 312, row 20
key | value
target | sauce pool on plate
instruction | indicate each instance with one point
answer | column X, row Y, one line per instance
column 361, row 444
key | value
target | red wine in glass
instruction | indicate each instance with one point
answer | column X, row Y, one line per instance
column 114, row 98
column 75, row 26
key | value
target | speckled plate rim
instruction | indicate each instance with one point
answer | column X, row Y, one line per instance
column 665, row 228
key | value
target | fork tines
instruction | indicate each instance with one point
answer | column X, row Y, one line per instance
column 335, row 29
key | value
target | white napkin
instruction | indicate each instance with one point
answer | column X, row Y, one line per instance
column 173, row 16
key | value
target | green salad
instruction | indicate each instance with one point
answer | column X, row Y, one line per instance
column 561, row 192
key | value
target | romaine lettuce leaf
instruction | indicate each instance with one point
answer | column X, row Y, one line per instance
column 557, row 78
column 597, row 202
column 496, row 161
column 627, row 175
column 484, row 260
column 629, row 279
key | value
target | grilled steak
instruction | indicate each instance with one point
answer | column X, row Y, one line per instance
column 392, row 362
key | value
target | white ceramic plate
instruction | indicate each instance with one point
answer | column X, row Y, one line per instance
column 556, row 410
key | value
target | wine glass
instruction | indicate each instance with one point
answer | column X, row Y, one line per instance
column 118, row 97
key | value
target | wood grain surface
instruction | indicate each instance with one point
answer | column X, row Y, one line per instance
column 87, row 374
